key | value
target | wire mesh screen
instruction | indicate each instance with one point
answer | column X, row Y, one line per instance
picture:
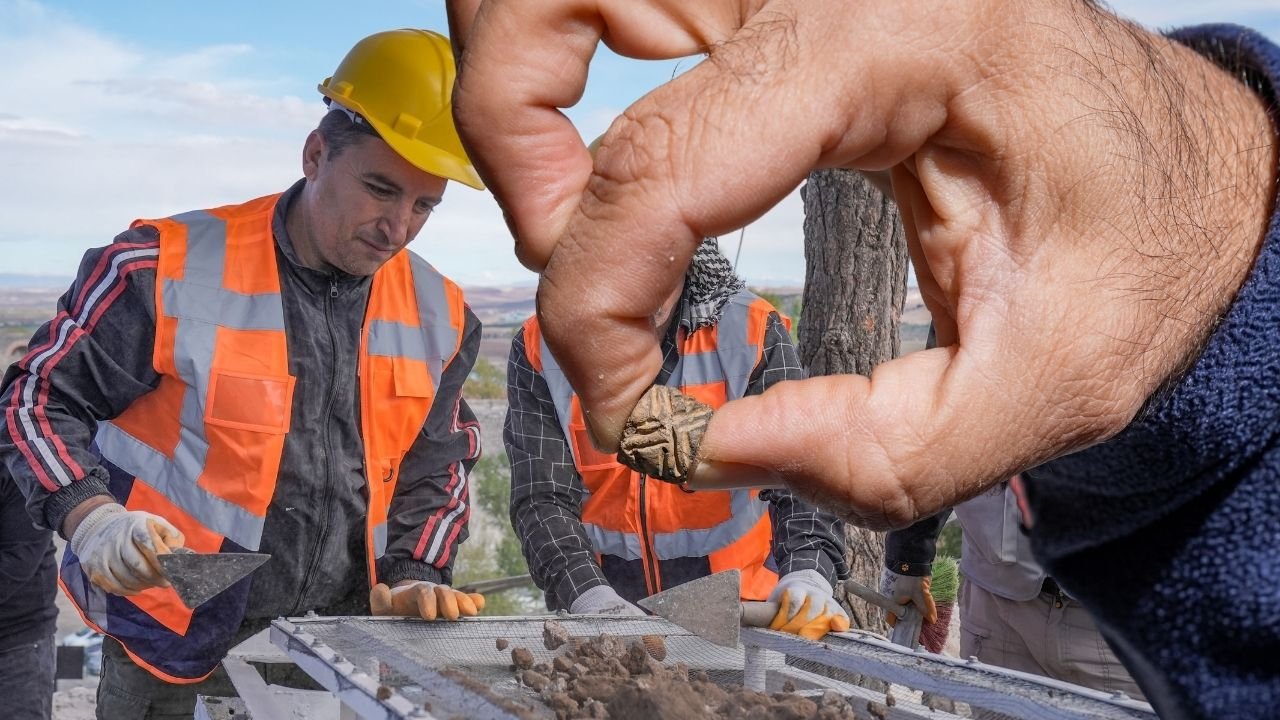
column 489, row 656
column 570, row 667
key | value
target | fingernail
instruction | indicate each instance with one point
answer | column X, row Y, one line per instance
column 713, row 475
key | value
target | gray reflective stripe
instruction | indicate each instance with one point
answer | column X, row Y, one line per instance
column 201, row 305
column 206, row 248
column 745, row 512
column 379, row 539
column 441, row 338
column 737, row 352
column 176, row 481
column 561, row 393
column 217, row 306
column 393, row 339
column 612, row 542
column 697, row 369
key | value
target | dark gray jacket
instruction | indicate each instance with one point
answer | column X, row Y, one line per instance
column 94, row 359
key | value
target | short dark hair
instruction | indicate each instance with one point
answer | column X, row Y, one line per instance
column 340, row 133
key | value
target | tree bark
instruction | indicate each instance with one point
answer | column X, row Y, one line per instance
column 855, row 285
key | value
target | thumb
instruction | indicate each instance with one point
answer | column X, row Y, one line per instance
column 879, row 434
column 164, row 536
column 380, row 599
column 161, row 538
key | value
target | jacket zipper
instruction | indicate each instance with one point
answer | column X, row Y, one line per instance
column 651, row 559
column 326, row 492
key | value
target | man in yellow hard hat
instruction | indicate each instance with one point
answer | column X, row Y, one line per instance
column 279, row 376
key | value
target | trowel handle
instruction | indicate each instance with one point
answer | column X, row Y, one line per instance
column 758, row 614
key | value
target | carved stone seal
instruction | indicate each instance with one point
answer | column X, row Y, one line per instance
column 663, row 433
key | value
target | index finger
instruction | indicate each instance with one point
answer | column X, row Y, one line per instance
column 521, row 62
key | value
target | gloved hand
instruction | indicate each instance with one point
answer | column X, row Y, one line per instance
column 806, row 606
column 603, row 600
column 909, row 589
column 117, row 548
column 424, row 599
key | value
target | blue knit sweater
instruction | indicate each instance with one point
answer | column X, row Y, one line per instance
column 1170, row 532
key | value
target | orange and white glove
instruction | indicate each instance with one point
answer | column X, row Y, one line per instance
column 910, row 589
column 117, row 548
column 424, row 599
column 806, row 606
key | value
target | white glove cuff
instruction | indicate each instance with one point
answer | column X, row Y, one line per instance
column 811, row 578
column 96, row 517
column 595, row 599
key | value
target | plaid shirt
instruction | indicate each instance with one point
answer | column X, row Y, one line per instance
column 547, row 491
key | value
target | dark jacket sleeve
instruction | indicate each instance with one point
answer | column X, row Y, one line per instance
column 23, row 546
column 87, row 364
column 910, row 551
column 546, row 489
column 429, row 512
column 804, row 537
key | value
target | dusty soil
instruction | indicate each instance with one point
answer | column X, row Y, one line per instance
column 607, row 677
column 662, row 435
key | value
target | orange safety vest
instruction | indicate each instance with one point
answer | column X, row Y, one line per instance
column 631, row 517
column 203, row 448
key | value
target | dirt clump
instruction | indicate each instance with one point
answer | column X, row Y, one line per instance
column 521, row 658
column 554, row 635
column 501, row 644
column 607, row 677
column 662, row 435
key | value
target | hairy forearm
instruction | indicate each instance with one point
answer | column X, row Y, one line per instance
column 1197, row 149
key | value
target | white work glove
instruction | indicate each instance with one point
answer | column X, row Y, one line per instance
column 603, row 600
column 807, row 606
column 424, row 599
column 117, row 548
column 909, row 590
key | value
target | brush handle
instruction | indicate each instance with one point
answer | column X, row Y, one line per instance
column 758, row 614
column 880, row 600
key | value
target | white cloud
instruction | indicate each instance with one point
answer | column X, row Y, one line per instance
column 97, row 131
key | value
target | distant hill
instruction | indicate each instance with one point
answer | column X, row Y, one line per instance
column 38, row 282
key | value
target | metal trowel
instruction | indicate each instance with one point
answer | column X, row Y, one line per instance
column 197, row 577
column 709, row 607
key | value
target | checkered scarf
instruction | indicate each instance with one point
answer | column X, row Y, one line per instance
column 709, row 283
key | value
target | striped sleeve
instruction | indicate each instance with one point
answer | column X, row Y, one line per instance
column 429, row 513
column 87, row 364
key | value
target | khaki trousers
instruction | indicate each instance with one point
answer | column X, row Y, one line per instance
column 1049, row 635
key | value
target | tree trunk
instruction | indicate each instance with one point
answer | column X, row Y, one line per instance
column 855, row 284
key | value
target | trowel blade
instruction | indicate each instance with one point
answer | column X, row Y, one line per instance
column 197, row 577
column 708, row 607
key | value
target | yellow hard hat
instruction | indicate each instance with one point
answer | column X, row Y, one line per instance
column 401, row 82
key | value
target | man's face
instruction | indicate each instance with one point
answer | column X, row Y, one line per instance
column 366, row 204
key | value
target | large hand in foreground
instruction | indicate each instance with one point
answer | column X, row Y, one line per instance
column 1081, row 198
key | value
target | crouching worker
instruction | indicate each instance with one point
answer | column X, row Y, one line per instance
column 280, row 376
column 599, row 536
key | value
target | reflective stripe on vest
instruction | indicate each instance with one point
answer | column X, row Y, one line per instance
column 200, row 304
column 730, row 362
column 433, row 342
column 203, row 448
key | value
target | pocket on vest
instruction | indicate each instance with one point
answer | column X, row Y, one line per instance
column 243, row 401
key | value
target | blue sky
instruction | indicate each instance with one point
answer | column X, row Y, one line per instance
column 113, row 111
